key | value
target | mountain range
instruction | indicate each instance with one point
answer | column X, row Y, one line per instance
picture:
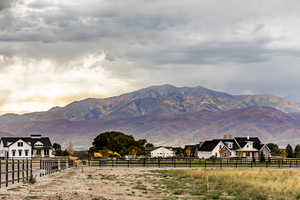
column 166, row 115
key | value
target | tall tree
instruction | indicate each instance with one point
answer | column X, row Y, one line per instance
column 274, row 148
column 119, row 142
column 297, row 151
column 289, row 151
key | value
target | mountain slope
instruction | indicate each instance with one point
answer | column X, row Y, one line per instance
column 172, row 129
column 165, row 99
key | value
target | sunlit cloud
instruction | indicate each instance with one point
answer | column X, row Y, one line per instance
column 33, row 85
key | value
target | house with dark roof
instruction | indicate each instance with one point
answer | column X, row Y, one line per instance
column 25, row 147
column 241, row 147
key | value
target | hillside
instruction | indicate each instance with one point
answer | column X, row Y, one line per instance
column 165, row 115
column 152, row 101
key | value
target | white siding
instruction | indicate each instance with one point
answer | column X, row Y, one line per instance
column 162, row 152
column 19, row 150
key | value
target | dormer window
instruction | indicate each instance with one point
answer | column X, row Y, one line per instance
column 20, row 144
column 38, row 144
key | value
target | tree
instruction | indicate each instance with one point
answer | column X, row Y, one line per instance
column 149, row 145
column 289, row 151
column 274, row 148
column 283, row 153
column 297, row 151
column 118, row 142
column 179, row 151
column 56, row 146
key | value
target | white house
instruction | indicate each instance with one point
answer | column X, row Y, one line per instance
column 243, row 147
column 162, row 152
column 25, row 147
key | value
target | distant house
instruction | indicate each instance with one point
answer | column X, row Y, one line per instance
column 160, row 152
column 25, row 147
column 241, row 147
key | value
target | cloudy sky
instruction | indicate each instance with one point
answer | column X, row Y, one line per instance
column 53, row 52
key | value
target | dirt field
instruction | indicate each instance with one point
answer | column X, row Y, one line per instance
column 90, row 183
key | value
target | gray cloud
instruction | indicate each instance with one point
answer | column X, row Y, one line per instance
column 232, row 46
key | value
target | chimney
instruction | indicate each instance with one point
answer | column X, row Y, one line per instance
column 227, row 136
column 248, row 137
column 35, row 136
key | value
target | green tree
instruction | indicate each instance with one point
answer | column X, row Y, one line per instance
column 149, row 145
column 274, row 148
column 179, row 151
column 118, row 142
column 297, row 151
column 289, row 151
column 56, row 146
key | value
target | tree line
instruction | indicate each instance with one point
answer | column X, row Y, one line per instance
column 287, row 152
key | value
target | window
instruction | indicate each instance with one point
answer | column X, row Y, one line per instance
column 46, row 152
column 13, row 152
column 26, row 152
column 20, row 144
column 247, row 154
column 20, row 152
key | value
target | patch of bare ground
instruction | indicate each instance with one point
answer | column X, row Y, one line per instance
column 91, row 183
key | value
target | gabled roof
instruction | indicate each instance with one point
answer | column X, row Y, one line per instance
column 242, row 141
column 234, row 143
column 31, row 141
column 209, row 145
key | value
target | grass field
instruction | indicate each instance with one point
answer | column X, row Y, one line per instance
column 240, row 184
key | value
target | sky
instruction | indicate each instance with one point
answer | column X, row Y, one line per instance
column 53, row 52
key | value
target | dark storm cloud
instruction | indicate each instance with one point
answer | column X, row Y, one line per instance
column 5, row 4
column 222, row 45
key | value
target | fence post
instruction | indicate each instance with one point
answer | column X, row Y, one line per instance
column 23, row 168
column 41, row 167
column 58, row 165
column 18, row 171
column 128, row 163
column 13, row 171
column 144, row 162
column 6, row 170
column 27, row 172
column 0, row 173
column 158, row 162
column 220, row 163
column 31, row 171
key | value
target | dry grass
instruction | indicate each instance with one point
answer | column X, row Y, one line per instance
column 247, row 183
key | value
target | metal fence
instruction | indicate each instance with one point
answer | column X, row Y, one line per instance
column 15, row 171
column 195, row 163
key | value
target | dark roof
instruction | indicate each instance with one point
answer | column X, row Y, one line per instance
column 242, row 141
column 209, row 145
column 234, row 143
column 45, row 140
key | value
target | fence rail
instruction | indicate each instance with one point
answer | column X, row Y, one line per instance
column 14, row 171
column 192, row 163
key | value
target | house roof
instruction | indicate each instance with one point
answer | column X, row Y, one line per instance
column 209, row 145
column 45, row 140
column 242, row 141
column 154, row 148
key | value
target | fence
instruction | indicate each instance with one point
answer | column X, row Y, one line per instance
column 15, row 171
column 192, row 163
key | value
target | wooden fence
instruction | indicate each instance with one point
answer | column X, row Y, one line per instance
column 15, row 171
column 192, row 163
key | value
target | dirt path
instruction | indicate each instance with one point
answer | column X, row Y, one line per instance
column 90, row 183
